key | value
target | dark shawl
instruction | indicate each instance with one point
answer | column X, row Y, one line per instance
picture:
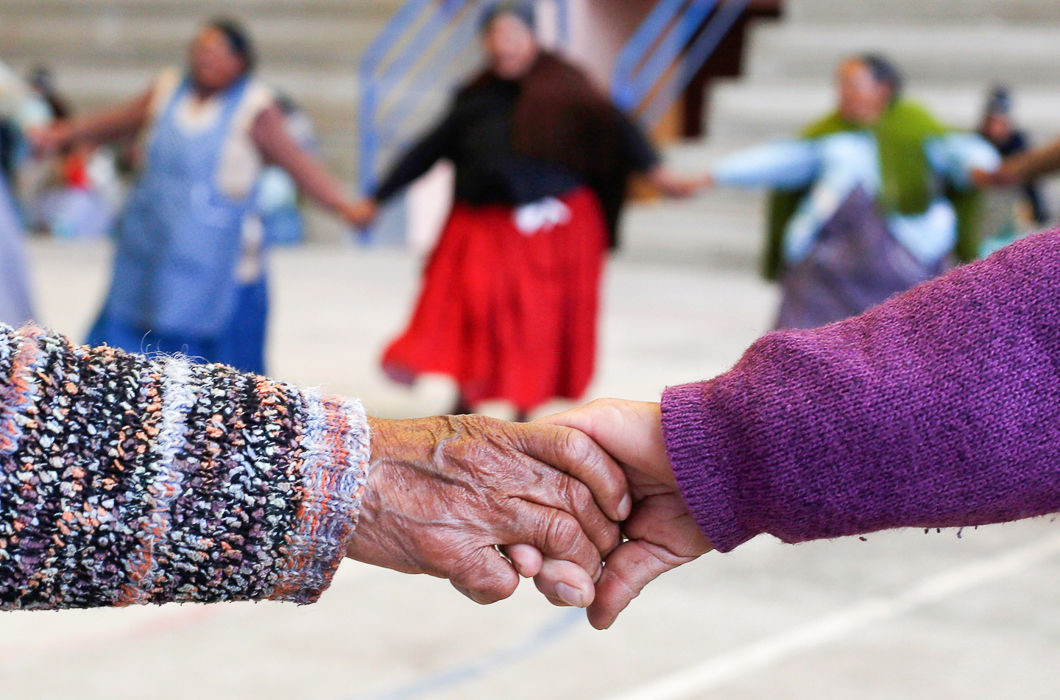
column 561, row 117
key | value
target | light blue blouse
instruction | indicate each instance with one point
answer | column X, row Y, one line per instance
column 833, row 166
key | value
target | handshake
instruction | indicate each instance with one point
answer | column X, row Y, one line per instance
column 584, row 502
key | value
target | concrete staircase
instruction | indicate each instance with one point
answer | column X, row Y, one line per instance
column 950, row 50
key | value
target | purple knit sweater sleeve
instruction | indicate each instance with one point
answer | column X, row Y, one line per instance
column 939, row 408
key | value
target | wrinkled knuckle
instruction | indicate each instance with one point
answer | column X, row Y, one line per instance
column 576, row 445
column 448, row 449
column 562, row 533
column 611, row 536
column 578, row 496
column 478, row 425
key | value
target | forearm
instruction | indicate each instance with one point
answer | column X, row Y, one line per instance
column 270, row 136
column 315, row 181
column 937, row 408
column 1035, row 162
column 110, row 124
column 639, row 150
column 126, row 480
column 415, row 162
column 782, row 164
column 957, row 155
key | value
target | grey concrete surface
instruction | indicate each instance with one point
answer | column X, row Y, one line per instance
column 901, row 615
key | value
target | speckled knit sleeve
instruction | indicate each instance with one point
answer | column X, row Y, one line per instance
column 127, row 480
column 940, row 407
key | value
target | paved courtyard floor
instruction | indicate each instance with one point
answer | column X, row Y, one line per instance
column 901, row 615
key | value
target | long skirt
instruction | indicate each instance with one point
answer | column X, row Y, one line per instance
column 509, row 315
column 15, row 307
column 855, row 264
column 241, row 344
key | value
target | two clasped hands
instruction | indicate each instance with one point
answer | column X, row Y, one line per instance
column 585, row 502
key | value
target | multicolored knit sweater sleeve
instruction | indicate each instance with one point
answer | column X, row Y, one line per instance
column 938, row 408
column 128, row 480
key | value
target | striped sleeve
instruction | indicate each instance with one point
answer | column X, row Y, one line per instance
column 126, row 480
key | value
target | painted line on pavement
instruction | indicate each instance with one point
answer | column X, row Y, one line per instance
column 459, row 674
column 727, row 667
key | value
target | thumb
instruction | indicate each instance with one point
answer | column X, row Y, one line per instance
column 631, row 567
column 631, row 431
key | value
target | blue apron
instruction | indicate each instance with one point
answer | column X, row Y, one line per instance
column 174, row 287
column 180, row 238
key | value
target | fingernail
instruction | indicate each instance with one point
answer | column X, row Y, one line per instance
column 570, row 595
column 625, row 507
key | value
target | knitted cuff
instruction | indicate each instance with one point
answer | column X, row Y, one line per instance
column 334, row 474
column 704, row 455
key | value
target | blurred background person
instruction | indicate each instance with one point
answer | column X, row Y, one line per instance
column 20, row 109
column 509, row 301
column 187, row 276
column 874, row 199
column 78, row 193
column 1022, row 168
column 1008, row 213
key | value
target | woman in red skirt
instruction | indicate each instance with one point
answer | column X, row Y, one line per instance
column 510, row 294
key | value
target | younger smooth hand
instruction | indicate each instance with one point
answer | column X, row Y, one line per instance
column 662, row 533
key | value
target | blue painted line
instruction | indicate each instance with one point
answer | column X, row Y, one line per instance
column 454, row 676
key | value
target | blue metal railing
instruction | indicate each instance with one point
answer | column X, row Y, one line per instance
column 563, row 22
column 416, row 58
column 667, row 50
column 397, row 71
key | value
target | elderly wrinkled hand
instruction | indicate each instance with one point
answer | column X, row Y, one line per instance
column 445, row 493
column 662, row 534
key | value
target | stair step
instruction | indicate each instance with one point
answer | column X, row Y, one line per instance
column 104, row 43
column 977, row 54
column 769, row 109
column 950, row 12
column 200, row 9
